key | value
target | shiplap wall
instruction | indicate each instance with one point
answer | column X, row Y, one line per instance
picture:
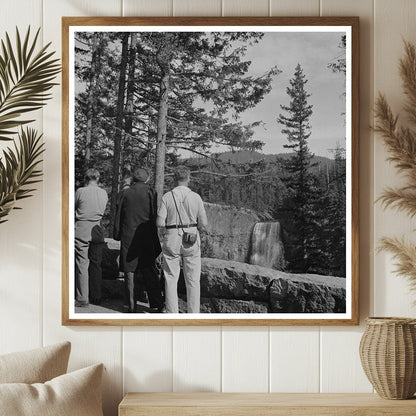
column 263, row 359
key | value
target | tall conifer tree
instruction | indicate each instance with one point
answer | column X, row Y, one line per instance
column 299, row 206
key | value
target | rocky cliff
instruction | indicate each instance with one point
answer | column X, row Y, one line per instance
column 236, row 287
column 229, row 232
column 229, row 236
column 233, row 287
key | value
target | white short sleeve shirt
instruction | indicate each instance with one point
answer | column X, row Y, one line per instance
column 190, row 206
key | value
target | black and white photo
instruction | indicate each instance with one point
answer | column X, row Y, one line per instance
column 211, row 172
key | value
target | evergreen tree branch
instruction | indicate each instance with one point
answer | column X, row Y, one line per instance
column 191, row 150
column 231, row 175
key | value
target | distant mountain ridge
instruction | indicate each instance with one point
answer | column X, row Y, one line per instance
column 244, row 156
column 251, row 156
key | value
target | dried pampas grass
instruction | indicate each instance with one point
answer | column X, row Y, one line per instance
column 401, row 144
column 404, row 253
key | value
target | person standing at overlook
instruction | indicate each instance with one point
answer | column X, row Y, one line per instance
column 90, row 203
column 135, row 226
column 182, row 214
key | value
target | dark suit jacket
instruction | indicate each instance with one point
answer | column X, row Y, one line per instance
column 135, row 226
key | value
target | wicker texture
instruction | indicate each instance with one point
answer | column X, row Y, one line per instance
column 388, row 356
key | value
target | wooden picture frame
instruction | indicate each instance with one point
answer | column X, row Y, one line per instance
column 306, row 25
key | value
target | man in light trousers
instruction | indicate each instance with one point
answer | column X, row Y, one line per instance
column 182, row 211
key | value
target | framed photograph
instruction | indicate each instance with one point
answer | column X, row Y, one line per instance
column 210, row 171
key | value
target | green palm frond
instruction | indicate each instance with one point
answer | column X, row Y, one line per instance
column 25, row 80
column 19, row 170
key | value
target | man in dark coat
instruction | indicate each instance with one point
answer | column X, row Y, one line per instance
column 135, row 226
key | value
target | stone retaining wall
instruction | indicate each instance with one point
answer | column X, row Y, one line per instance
column 233, row 287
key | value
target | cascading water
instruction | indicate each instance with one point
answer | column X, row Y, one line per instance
column 267, row 248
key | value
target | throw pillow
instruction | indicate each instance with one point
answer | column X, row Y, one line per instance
column 73, row 394
column 35, row 366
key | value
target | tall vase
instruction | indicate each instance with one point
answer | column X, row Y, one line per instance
column 388, row 356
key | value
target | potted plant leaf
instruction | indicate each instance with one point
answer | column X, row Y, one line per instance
column 26, row 78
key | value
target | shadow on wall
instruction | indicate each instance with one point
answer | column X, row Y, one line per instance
column 160, row 381
column 87, row 8
column 111, row 385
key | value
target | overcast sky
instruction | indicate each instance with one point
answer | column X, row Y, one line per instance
column 313, row 51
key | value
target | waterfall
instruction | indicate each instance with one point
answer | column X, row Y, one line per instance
column 267, row 248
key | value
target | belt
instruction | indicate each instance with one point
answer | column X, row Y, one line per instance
column 180, row 226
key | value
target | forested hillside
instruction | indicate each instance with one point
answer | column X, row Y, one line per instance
column 150, row 98
column 260, row 182
column 137, row 96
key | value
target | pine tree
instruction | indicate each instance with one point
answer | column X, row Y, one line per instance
column 331, row 213
column 119, row 127
column 95, row 81
column 337, row 215
column 299, row 208
column 340, row 64
column 190, row 67
column 176, row 91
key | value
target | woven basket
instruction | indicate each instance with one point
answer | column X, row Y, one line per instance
column 388, row 356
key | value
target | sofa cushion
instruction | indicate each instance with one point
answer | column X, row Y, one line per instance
column 73, row 394
column 35, row 366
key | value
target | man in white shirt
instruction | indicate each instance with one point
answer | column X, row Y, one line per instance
column 182, row 213
column 90, row 203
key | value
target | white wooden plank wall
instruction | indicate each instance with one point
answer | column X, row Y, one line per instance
column 341, row 371
column 304, row 359
column 147, row 360
column 245, row 364
column 89, row 345
column 21, row 259
column 392, row 22
column 197, row 359
column 294, row 351
column 294, row 8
